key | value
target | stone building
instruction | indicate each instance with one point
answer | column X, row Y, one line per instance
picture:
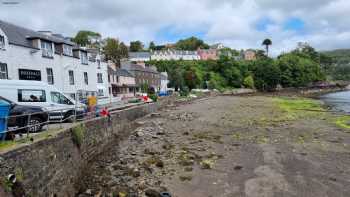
column 144, row 74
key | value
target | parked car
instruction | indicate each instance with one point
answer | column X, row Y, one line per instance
column 37, row 93
column 25, row 118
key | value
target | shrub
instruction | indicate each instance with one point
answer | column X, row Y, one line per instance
column 248, row 82
column 154, row 97
column 184, row 91
column 78, row 135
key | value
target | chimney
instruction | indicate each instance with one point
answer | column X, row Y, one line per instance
column 48, row 33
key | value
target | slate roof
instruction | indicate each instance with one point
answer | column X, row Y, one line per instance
column 123, row 72
column 136, row 67
column 22, row 36
column 139, row 54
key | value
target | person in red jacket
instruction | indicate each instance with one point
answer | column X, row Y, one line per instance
column 104, row 112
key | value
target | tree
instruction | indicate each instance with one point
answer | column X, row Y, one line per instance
column 152, row 46
column 191, row 44
column 115, row 50
column 267, row 42
column 85, row 38
column 136, row 46
column 266, row 74
column 298, row 71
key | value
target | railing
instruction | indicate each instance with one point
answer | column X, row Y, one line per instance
column 28, row 123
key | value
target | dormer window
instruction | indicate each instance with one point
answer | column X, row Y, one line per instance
column 2, row 42
column 67, row 50
column 46, row 48
column 83, row 57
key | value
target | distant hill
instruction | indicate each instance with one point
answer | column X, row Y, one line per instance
column 341, row 69
column 340, row 56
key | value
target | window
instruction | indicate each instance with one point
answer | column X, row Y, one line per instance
column 99, row 78
column 67, row 50
column 109, row 78
column 49, row 73
column 31, row 95
column 46, row 48
column 71, row 77
column 58, row 98
column 2, row 42
column 98, row 64
column 3, row 71
column 83, row 57
column 86, row 79
column 100, row 93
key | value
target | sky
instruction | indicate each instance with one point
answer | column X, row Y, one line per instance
column 240, row 24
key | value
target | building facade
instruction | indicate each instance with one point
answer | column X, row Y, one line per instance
column 122, row 84
column 249, row 55
column 164, row 82
column 42, row 56
column 174, row 55
column 208, row 54
column 144, row 74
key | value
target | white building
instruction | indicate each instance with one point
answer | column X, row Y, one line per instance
column 139, row 56
column 43, row 56
column 163, row 82
column 174, row 55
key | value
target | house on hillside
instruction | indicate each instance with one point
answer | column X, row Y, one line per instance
column 139, row 57
column 217, row 46
column 44, row 56
column 174, row 55
column 208, row 54
column 249, row 55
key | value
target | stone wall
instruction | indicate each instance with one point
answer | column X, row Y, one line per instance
column 53, row 166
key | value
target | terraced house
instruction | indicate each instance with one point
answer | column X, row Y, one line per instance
column 43, row 56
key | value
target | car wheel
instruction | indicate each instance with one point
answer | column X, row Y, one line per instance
column 34, row 125
column 69, row 117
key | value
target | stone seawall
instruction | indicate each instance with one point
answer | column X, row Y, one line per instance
column 52, row 167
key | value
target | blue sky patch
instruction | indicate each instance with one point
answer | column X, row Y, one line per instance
column 169, row 34
column 294, row 24
column 263, row 23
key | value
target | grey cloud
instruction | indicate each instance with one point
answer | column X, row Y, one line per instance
column 229, row 21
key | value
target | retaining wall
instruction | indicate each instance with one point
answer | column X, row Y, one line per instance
column 51, row 167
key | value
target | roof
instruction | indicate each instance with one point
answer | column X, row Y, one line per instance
column 123, row 72
column 175, row 52
column 136, row 67
column 22, row 36
column 139, row 54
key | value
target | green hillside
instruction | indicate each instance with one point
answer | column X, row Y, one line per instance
column 341, row 63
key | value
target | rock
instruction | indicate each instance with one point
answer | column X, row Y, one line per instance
column 185, row 177
column 160, row 163
column 122, row 194
column 238, row 167
column 160, row 132
column 134, row 172
column 207, row 164
column 88, row 192
column 139, row 134
column 152, row 193
column 155, row 115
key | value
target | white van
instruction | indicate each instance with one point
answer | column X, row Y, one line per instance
column 37, row 93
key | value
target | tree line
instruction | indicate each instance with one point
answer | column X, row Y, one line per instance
column 297, row 68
